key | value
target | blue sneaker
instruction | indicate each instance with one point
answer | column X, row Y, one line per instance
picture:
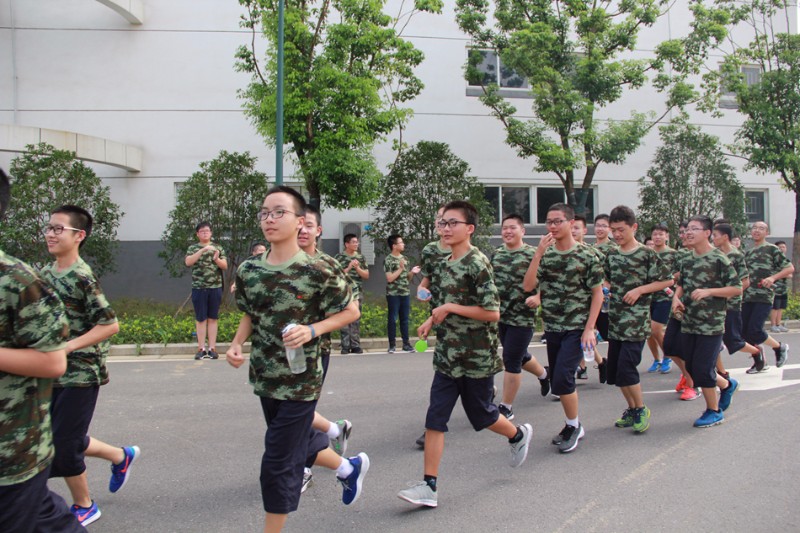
column 121, row 472
column 654, row 367
column 353, row 483
column 86, row 515
column 709, row 418
column 666, row 365
column 726, row 395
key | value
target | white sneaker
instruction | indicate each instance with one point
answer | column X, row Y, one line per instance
column 307, row 481
column 519, row 450
column 420, row 494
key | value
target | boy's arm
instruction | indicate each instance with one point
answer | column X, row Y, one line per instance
column 391, row 276
column 588, row 337
column 769, row 281
column 531, row 280
column 721, row 292
column 363, row 272
column 633, row 295
column 302, row 334
column 234, row 355
column 474, row 312
column 33, row 363
column 220, row 261
column 191, row 259
column 97, row 334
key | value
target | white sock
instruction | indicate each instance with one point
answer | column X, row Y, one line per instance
column 543, row 376
column 572, row 422
column 333, row 431
column 345, row 469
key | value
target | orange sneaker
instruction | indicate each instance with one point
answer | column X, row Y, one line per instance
column 689, row 394
column 681, row 384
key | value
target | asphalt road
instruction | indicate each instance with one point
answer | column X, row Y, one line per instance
column 201, row 433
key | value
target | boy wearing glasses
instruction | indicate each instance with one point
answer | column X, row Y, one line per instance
column 397, row 293
column 661, row 303
column 282, row 287
column 767, row 265
column 465, row 359
column 91, row 322
column 355, row 266
column 604, row 244
column 207, row 261
column 706, row 281
column 570, row 280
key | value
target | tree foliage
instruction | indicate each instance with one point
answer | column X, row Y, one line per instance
column 227, row 192
column 43, row 179
column 422, row 179
column 689, row 176
column 576, row 56
column 347, row 71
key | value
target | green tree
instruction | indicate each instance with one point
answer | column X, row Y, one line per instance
column 44, row 178
column 423, row 178
column 576, row 56
column 347, row 71
column 227, row 192
column 690, row 175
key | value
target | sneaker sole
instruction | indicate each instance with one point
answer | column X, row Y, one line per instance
column 306, row 486
column 580, row 436
column 92, row 519
column 422, row 501
column 710, row 425
column 136, row 453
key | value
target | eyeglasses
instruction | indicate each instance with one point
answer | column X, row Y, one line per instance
column 694, row 229
column 275, row 214
column 556, row 222
column 601, row 226
column 57, row 229
column 452, row 223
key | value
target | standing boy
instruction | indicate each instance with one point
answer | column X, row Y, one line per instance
column 661, row 302
column 355, row 266
column 91, row 322
column 634, row 272
column 282, row 287
column 706, row 281
column 397, row 294
column 570, row 281
column 207, row 261
column 465, row 360
column 781, row 300
column 517, row 312
column 33, row 336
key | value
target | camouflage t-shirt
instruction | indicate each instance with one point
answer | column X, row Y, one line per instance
column 432, row 256
column 466, row 347
column 302, row 291
column 325, row 340
column 736, row 258
column 606, row 247
column 355, row 280
column 509, row 270
column 712, row 270
column 86, row 307
column 566, row 280
column 763, row 261
column 398, row 287
column 667, row 256
column 32, row 317
column 626, row 271
column 205, row 273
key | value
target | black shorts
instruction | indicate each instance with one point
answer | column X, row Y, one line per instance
column 30, row 506
column 289, row 444
column 754, row 314
column 659, row 311
column 672, row 338
column 700, row 353
column 732, row 338
column 601, row 325
column 515, row 341
column 780, row 302
column 564, row 354
column 71, row 412
column 623, row 358
column 206, row 303
column 476, row 398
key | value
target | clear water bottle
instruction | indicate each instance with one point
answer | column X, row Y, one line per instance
column 669, row 292
column 606, row 298
column 295, row 356
column 588, row 353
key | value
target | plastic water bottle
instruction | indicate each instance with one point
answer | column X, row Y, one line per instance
column 588, row 353
column 295, row 356
column 423, row 294
column 669, row 291
column 606, row 297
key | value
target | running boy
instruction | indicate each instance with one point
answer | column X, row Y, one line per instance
column 286, row 286
column 781, row 300
column 603, row 245
column 91, row 322
column 661, row 302
column 465, row 360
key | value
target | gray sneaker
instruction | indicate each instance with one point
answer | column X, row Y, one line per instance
column 339, row 444
column 420, row 494
column 307, row 480
column 781, row 354
column 775, row 329
column 783, row 329
column 519, row 450
column 570, row 436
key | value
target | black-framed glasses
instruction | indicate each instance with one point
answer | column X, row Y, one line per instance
column 554, row 222
column 275, row 214
column 452, row 223
column 57, row 229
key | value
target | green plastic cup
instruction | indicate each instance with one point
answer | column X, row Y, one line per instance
column 421, row 345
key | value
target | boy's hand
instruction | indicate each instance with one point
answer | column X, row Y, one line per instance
column 632, row 296
column 544, row 243
column 416, row 269
column 234, row 355
column 533, row 301
column 297, row 336
column 425, row 328
column 588, row 339
column 209, row 248
column 440, row 313
column 677, row 306
column 699, row 294
column 216, row 254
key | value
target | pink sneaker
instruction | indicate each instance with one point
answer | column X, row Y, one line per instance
column 681, row 384
column 689, row 394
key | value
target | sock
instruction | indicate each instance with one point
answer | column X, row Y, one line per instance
column 573, row 422
column 345, row 469
column 507, row 405
column 431, row 481
column 543, row 376
column 333, row 431
column 517, row 437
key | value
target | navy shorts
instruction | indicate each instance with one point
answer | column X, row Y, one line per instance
column 672, row 338
column 206, row 303
column 30, row 506
column 515, row 341
column 289, row 444
column 602, row 325
column 732, row 338
column 700, row 353
column 754, row 314
column 476, row 398
column 659, row 311
column 623, row 358
column 564, row 354
column 71, row 412
column 780, row 302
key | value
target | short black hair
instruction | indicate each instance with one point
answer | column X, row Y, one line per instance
column 513, row 216
column 581, row 219
column 466, row 208
column 601, row 216
column 683, row 224
column 568, row 211
column 724, row 228
column 349, row 237
column 311, row 210
column 5, row 192
column 704, row 220
column 299, row 201
column 257, row 243
column 622, row 213
column 203, row 224
column 660, row 227
column 78, row 218
column 780, row 242
column 391, row 240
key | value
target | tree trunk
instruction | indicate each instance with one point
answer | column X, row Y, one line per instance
column 796, row 243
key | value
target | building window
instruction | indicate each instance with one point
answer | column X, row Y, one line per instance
column 492, row 70
column 507, row 200
column 752, row 75
column 755, row 205
column 178, row 186
column 547, row 196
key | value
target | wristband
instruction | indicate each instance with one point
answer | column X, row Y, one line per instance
column 313, row 333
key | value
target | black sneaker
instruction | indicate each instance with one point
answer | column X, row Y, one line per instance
column 781, row 354
column 356, row 350
column 212, row 354
column 408, row 348
column 345, row 351
column 507, row 412
column 602, row 369
column 570, row 436
column 545, row 386
column 581, row 374
column 391, row 349
column 758, row 362
column 421, row 441
column 199, row 355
